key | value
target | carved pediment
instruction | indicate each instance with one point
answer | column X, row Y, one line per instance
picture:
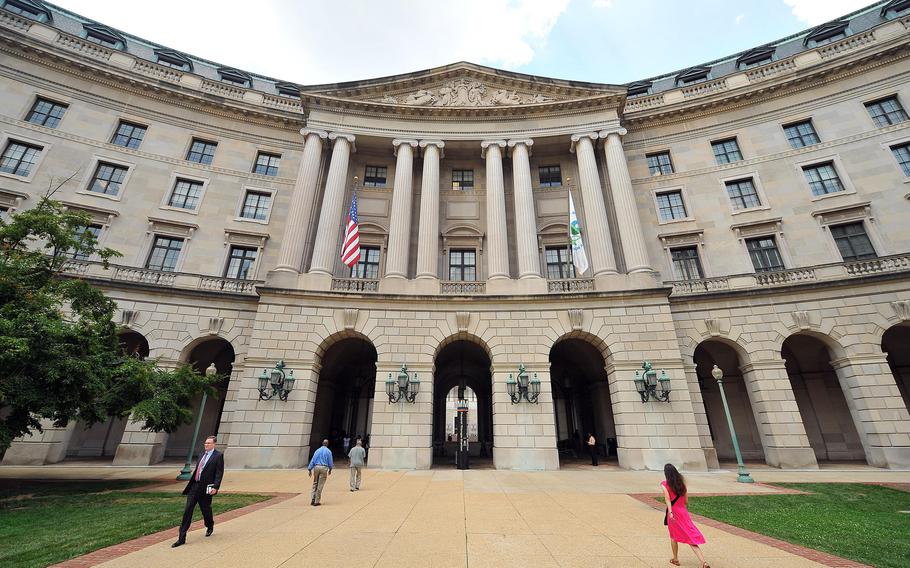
column 465, row 92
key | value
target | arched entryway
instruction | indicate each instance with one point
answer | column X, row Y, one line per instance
column 581, row 401
column 708, row 354
column 200, row 355
column 829, row 425
column 344, row 394
column 462, row 371
column 100, row 441
column 896, row 344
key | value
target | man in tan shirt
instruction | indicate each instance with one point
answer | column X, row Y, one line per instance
column 357, row 456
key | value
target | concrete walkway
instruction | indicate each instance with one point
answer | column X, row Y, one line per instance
column 443, row 518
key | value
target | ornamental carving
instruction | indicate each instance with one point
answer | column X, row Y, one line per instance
column 465, row 93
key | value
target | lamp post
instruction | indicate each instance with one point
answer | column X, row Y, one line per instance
column 743, row 476
column 187, row 470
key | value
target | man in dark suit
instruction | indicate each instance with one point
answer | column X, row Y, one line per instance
column 209, row 471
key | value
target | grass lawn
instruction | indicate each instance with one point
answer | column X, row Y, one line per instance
column 44, row 523
column 851, row 520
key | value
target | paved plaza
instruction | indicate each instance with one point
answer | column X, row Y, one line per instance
column 449, row 518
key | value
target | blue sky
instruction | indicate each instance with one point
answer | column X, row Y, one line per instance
column 607, row 41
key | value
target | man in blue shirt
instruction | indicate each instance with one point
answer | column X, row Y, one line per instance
column 322, row 464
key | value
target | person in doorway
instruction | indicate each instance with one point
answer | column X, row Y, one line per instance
column 346, row 443
column 320, row 468
column 592, row 448
column 677, row 519
column 202, row 486
column 356, row 457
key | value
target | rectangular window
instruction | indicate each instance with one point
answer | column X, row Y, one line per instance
column 100, row 39
column 462, row 179
column 550, row 176
column 886, row 111
column 659, row 164
column 186, row 194
column 164, row 254
column 463, row 265
column 801, row 134
column 686, row 263
column 19, row 157
column 823, row 178
column 108, row 179
column 201, row 151
column 375, row 176
column 559, row 263
column 95, row 231
column 128, row 135
column 742, row 194
column 829, row 39
column 266, row 164
column 670, row 205
column 256, row 205
column 853, row 242
column 726, row 151
column 902, row 153
column 764, row 254
column 368, row 265
column 240, row 263
column 46, row 113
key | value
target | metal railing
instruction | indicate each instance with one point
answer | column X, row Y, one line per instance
column 459, row 288
column 355, row 284
column 571, row 285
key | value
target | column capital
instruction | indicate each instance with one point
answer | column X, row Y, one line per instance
column 440, row 145
column 487, row 143
column 334, row 136
column 593, row 136
column 308, row 131
column 399, row 141
column 526, row 142
column 618, row 131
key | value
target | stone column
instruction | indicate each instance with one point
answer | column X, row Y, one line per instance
column 332, row 201
column 595, row 227
column 396, row 265
column 633, row 240
column 525, row 217
column 783, row 435
column 877, row 408
column 428, row 244
column 290, row 256
column 497, row 243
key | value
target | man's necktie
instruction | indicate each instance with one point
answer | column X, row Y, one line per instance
column 202, row 462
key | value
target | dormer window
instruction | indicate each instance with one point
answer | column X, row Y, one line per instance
column 288, row 90
column 235, row 77
column 693, row 75
column 103, row 35
column 755, row 58
column 170, row 58
column 28, row 9
column 895, row 8
column 827, row 33
column 639, row 88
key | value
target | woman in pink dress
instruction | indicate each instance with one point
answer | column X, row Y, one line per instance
column 677, row 519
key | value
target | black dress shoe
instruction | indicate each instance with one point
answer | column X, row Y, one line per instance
column 209, row 531
column 178, row 543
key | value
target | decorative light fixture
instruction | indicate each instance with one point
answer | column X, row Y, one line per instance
column 524, row 387
column 743, row 476
column 276, row 382
column 647, row 384
column 404, row 388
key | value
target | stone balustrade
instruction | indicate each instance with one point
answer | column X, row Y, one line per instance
column 459, row 288
column 779, row 277
column 894, row 263
column 355, row 285
column 847, row 44
column 147, row 277
column 571, row 285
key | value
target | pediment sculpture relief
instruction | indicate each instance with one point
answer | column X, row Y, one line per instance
column 465, row 93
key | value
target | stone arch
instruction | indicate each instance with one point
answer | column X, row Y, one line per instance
column 335, row 338
column 895, row 344
column 464, row 336
column 732, row 337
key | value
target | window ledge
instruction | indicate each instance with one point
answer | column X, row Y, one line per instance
column 179, row 209
column 750, row 209
column 835, row 194
column 24, row 179
column 674, row 221
column 246, row 220
column 101, row 195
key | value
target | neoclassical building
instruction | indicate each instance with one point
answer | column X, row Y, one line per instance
column 751, row 213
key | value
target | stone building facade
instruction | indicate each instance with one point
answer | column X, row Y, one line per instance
column 750, row 213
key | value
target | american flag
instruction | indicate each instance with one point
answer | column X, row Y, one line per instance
column 350, row 250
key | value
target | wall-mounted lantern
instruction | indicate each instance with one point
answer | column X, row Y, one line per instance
column 651, row 386
column 404, row 388
column 524, row 387
column 276, row 382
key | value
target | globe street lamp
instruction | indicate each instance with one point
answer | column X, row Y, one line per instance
column 187, row 470
column 743, row 476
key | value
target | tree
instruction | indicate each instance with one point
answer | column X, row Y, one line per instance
column 60, row 357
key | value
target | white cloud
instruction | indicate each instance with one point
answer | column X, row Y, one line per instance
column 317, row 42
column 815, row 12
column 739, row 19
column 602, row 3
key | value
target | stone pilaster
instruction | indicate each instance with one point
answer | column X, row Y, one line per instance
column 332, row 201
column 140, row 447
column 428, row 245
column 701, row 417
column 595, row 227
column 400, row 225
column 402, row 433
column 630, row 233
column 40, row 448
column 525, row 217
column 290, row 256
column 524, row 434
column 497, row 242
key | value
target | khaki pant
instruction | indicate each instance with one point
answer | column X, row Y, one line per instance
column 355, row 478
column 320, row 474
